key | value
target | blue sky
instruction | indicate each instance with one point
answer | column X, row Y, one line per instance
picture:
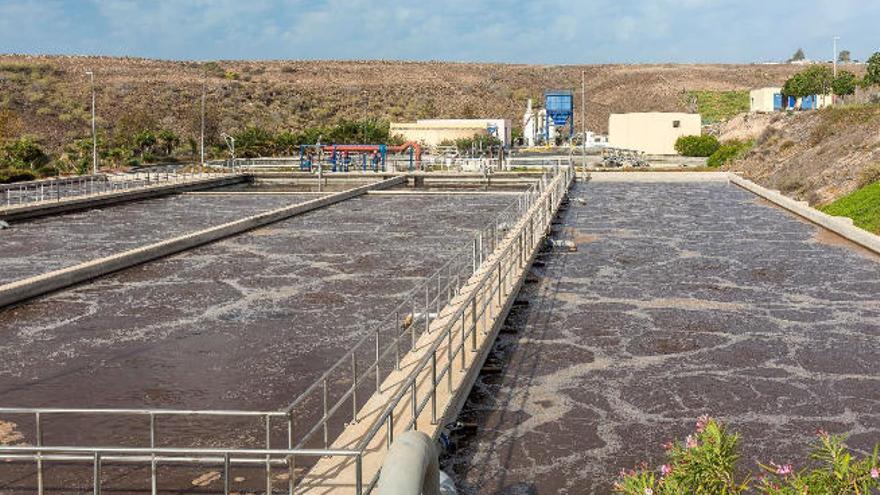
column 539, row 31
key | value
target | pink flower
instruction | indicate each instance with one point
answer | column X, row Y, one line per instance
column 701, row 423
column 875, row 473
column 784, row 470
column 691, row 442
column 665, row 470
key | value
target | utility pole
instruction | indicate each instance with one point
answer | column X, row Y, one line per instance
column 835, row 55
column 584, row 119
column 91, row 75
column 202, row 137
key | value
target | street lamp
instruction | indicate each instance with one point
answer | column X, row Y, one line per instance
column 94, row 133
column 835, row 55
column 230, row 142
column 584, row 120
column 202, row 136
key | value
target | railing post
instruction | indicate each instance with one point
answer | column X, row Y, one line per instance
column 396, row 340
column 358, row 469
column 96, row 483
column 474, row 323
column 434, row 387
column 415, row 420
column 39, row 426
column 291, row 460
column 226, row 473
column 268, row 457
column 378, row 368
column 354, row 385
column 324, row 418
column 474, row 253
column 449, row 357
column 463, row 336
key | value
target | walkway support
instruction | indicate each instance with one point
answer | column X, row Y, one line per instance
column 411, row 466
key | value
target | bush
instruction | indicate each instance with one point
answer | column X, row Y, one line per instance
column 8, row 175
column 869, row 175
column 728, row 152
column 24, row 154
column 706, row 463
column 697, row 145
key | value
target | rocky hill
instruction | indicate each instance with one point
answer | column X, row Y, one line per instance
column 49, row 95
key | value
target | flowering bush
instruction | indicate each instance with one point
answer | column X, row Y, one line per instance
column 705, row 464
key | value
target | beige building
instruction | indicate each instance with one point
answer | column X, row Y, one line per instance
column 432, row 132
column 765, row 99
column 653, row 133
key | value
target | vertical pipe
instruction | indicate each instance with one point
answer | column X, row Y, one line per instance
column 412, row 325
column 449, row 357
column 463, row 337
column 153, row 480
column 474, row 253
column 396, row 340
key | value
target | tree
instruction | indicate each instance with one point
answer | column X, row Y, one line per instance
column 844, row 84
column 872, row 74
column 254, row 142
column 798, row 56
column 169, row 141
column 815, row 80
column 844, row 56
column 144, row 141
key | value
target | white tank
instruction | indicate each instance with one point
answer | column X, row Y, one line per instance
column 529, row 127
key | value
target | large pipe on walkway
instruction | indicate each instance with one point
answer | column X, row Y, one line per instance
column 411, row 466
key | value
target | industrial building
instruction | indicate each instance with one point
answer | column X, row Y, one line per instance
column 654, row 133
column 542, row 126
column 433, row 132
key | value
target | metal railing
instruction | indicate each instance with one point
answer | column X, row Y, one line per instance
column 358, row 370
column 13, row 195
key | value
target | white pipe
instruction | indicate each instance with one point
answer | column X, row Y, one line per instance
column 411, row 466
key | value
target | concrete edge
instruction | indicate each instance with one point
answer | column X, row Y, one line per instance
column 28, row 288
column 842, row 226
column 27, row 212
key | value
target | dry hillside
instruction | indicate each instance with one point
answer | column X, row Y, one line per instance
column 814, row 156
column 49, row 94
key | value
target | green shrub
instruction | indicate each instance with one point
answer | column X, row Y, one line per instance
column 728, row 152
column 706, row 464
column 702, row 146
column 11, row 174
column 23, row 153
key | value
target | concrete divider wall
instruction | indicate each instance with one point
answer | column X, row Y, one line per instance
column 842, row 226
column 35, row 286
column 65, row 205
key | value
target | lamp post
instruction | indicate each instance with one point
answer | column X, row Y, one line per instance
column 202, row 135
column 584, row 120
column 91, row 75
column 835, row 55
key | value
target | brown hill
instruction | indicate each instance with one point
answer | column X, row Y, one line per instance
column 814, row 156
column 49, row 94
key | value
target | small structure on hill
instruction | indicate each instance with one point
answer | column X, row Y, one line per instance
column 653, row 133
column 772, row 99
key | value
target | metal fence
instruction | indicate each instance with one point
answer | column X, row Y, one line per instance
column 13, row 195
column 321, row 412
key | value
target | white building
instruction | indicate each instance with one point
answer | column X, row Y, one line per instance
column 432, row 132
column 654, row 133
column 765, row 99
